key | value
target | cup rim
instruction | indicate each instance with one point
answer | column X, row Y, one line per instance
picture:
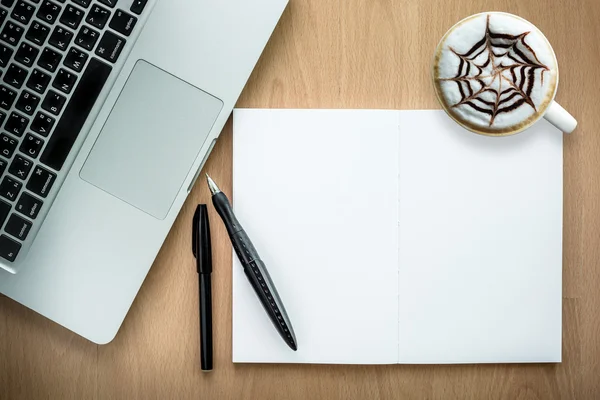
column 525, row 126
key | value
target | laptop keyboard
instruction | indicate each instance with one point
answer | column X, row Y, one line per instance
column 55, row 59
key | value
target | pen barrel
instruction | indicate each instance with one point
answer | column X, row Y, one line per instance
column 255, row 270
column 239, row 239
column 263, row 286
column 206, row 333
column 223, row 207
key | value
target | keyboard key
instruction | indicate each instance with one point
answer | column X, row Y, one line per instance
column 49, row 59
column 84, row 96
column 87, row 38
column 98, row 16
column 31, row 146
column 7, row 97
column 37, row 33
column 7, row 3
column 7, row 145
column 3, row 164
column 64, row 81
column 60, row 38
column 48, row 12
column 41, row 181
column 110, row 3
column 11, row 33
column 4, row 211
column 71, row 17
column 110, row 46
column 27, row 102
column 15, row 76
column 123, row 22
column 10, row 188
column 18, row 227
column 138, row 6
column 26, row 54
column 38, row 81
column 9, row 248
column 42, row 124
column 23, row 12
column 2, row 118
column 83, row 3
column 5, row 55
column 20, row 167
column 16, row 124
column 75, row 59
column 53, row 102
column 29, row 205
column 3, row 14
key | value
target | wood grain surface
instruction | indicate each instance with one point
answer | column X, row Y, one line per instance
column 336, row 54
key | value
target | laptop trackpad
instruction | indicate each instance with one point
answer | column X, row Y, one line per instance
column 150, row 140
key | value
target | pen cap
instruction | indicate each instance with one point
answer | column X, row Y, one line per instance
column 201, row 240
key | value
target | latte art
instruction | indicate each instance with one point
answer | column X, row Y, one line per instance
column 498, row 73
column 495, row 73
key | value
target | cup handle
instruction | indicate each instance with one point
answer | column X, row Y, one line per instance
column 560, row 118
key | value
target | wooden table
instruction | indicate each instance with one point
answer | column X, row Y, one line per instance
column 336, row 54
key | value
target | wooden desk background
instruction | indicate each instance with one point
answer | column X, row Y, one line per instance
column 336, row 54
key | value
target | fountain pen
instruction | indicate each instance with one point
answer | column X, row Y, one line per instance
column 254, row 268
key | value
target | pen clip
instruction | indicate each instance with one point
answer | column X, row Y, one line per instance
column 195, row 231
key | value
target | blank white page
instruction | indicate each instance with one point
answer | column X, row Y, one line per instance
column 480, row 243
column 317, row 192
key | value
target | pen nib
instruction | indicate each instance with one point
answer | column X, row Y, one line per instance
column 214, row 189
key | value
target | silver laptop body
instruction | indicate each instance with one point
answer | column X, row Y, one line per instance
column 109, row 109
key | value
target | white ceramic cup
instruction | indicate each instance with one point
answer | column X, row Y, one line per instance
column 548, row 109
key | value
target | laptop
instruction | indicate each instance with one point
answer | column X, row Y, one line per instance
column 108, row 111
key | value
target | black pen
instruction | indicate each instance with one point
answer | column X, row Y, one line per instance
column 254, row 268
column 202, row 251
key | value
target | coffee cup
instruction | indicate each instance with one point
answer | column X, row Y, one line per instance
column 496, row 74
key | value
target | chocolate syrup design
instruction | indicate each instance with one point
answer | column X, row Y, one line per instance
column 498, row 74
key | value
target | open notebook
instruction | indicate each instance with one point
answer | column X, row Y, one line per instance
column 399, row 237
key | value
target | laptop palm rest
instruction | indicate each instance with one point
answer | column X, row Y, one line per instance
column 151, row 139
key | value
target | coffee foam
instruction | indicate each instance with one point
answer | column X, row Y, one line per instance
column 495, row 73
